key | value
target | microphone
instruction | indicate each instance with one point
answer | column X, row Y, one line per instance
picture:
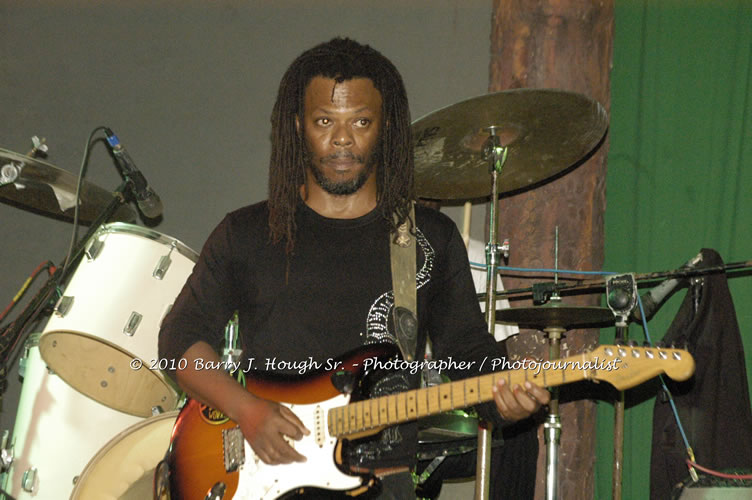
column 147, row 200
column 654, row 299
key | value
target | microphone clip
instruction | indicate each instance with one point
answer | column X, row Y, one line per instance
column 621, row 296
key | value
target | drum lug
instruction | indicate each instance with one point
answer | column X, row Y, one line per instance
column 22, row 364
column 6, row 455
column 164, row 263
column 31, row 341
column 29, row 481
column 63, row 305
column 162, row 267
column 132, row 325
column 94, row 249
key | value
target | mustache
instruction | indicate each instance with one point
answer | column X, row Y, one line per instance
column 344, row 155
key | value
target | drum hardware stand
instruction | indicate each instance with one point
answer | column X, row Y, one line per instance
column 621, row 297
column 739, row 269
column 496, row 155
column 552, row 425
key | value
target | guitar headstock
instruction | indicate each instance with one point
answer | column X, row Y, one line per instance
column 624, row 366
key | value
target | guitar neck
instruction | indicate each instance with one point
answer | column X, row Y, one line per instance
column 622, row 366
column 415, row 404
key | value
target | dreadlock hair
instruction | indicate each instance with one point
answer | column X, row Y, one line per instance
column 339, row 59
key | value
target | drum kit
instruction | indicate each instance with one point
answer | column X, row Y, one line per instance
column 89, row 424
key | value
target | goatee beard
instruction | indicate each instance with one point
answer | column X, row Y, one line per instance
column 342, row 188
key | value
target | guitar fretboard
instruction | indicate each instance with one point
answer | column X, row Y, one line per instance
column 622, row 366
column 418, row 403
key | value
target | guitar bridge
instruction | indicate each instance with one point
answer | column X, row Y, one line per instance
column 233, row 446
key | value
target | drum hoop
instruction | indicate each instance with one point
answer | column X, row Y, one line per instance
column 117, row 439
column 149, row 234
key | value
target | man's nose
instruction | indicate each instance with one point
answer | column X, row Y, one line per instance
column 342, row 136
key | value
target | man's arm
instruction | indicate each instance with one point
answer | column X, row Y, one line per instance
column 264, row 423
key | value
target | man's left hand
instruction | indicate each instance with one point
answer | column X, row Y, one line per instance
column 520, row 401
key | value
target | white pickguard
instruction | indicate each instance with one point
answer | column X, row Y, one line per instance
column 258, row 480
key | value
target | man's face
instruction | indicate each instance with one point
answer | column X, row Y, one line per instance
column 341, row 123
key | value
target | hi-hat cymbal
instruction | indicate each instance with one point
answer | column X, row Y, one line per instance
column 40, row 187
column 556, row 315
column 545, row 131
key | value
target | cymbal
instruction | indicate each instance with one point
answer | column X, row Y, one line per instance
column 545, row 131
column 556, row 315
column 48, row 190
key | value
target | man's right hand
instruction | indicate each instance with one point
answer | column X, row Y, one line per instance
column 266, row 426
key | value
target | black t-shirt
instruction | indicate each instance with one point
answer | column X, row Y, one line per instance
column 330, row 296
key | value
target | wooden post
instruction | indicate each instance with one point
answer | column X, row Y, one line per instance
column 562, row 44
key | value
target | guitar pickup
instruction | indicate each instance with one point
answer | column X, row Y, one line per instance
column 233, row 445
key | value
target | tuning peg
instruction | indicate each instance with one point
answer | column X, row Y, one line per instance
column 632, row 343
column 39, row 144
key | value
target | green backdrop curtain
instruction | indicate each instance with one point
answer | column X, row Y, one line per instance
column 679, row 171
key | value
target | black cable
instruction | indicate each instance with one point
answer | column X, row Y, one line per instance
column 81, row 175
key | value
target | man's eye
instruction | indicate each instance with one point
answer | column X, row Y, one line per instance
column 363, row 122
column 323, row 121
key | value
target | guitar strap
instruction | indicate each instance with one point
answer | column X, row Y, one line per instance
column 403, row 263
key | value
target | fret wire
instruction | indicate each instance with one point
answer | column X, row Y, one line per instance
column 407, row 411
column 359, row 417
column 451, row 396
column 464, row 394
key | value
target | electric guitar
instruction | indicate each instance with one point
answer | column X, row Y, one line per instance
column 209, row 458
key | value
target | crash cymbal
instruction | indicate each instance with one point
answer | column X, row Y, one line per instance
column 545, row 131
column 40, row 187
column 556, row 315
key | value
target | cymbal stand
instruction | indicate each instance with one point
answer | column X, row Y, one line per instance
column 552, row 425
column 618, row 466
column 496, row 155
column 621, row 298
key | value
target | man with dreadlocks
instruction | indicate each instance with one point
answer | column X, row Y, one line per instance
column 308, row 271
